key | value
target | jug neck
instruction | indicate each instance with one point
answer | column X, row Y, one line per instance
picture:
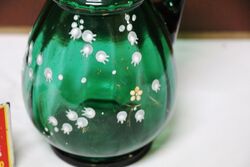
column 171, row 12
column 96, row 7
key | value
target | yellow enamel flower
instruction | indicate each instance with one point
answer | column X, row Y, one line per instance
column 136, row 94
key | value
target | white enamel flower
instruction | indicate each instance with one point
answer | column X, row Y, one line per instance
column 88, row 36
column 139, row 116
column 53, row 121
column 132, row 38
column 75, row 33
column 87, row 50
column 136, row 58
column 72, row 115
column 67, row 128
column 89, row 112
column 39, row 59
column 48, row 74
column 121, row 117
column 102, row 57
column 156, row 86
column 82, row 122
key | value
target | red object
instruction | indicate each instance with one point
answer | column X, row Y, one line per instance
column 5, row 141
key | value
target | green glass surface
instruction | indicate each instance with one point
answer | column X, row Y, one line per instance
column 59, row 78
column 98, row 6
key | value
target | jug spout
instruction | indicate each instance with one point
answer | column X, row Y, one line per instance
column 171, row 12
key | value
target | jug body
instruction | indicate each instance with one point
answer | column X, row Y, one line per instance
column 99, row 86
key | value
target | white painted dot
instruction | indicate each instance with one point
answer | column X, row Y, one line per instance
column 51, row 133
column 81, row 21
column 83, row 80
column 60, row 77
column 81, row 27
column 134, row 17
column 127, row 17
column 76, row 17
column 129, row 27
column 102, row 113
column 122, row 28
column 46, row 129
column 114, row 72
column 39, row 59
column 29, row 59
column 56, row 129
column 74, row 25
column 30, row 72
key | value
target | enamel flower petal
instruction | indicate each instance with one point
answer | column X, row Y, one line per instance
column 82, row 122
column 136, row 58
column 88, row 36
column 156, row 86
column 67, row 128
column 53, row 121
column 121, row 117
column 72, row 115
column 89, row 112
column 139, row 116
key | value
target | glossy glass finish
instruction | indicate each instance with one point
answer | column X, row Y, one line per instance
column 99, row 86
column 98, row 6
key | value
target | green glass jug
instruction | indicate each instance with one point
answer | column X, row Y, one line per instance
column 98, row 80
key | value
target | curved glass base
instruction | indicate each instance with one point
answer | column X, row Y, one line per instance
column 119, row 161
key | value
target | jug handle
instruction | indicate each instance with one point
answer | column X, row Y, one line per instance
column 171, row 12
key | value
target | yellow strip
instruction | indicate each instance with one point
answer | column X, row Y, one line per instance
column 8, row 131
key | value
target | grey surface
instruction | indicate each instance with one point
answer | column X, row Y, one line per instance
column 210, row 127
